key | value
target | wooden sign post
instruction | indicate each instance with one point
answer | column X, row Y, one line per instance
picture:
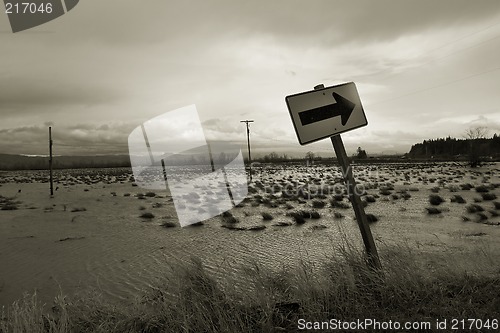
column 327, row 112
column 357, row 205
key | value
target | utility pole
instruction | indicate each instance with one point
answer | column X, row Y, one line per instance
column 50, row 162
column 248, row 143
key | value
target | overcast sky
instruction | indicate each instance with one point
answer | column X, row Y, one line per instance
column 424, row 69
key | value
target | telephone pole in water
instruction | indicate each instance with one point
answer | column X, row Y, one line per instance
column 248, row 143
column 50, row 162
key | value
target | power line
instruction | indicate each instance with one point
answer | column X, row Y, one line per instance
column 436, row 86
column 442, row 46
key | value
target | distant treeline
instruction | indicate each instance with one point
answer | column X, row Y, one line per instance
column 436, row 149
column 20, row 162
column 451, row 147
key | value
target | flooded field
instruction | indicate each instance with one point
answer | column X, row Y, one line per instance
column 103, row 232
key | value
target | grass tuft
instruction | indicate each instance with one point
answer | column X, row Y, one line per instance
column 339, row 204
column 338, row 215
column 435, row 199
column 482, row 189
column 8, row 203
column 458, row 199
column 474, row 208
column 370, row 198
column 371, row 218
column 318, row 204
column 488, row 196
column 266, row 216
column 147, row 215
column 433, row 210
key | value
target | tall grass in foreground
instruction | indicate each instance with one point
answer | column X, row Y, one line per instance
column 191, row 300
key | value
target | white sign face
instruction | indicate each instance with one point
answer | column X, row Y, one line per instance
column 322, row 113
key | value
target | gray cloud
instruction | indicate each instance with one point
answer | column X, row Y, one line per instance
column 188, row 22
column 69, row 140
column 129, row 61
column 34, row 94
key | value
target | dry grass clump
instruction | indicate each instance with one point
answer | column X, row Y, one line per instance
column 488, row 196
column 228, row 218
column 458, row 199
column 339, row 204
column 168, row 224
column 466, row 187
column 371, row 218
column 370, row 198
column 8, row 203
column 385, row 191
column 435, row 189
column 318, row 204
column 435, row 199
column 266, row 216
column 298, row 217
column 433, row 210
column 481, row 216
column 405, row 195
column 474, row 208
column 147, row 215
column 482, row 189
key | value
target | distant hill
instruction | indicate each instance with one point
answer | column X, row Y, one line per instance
column 442, row 148
column 21, row 162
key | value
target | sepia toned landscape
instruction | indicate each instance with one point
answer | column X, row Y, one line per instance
column 249, row 166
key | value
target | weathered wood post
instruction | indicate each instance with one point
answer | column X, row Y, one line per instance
column 357, row 205
column 50, row 163
column 248, row 143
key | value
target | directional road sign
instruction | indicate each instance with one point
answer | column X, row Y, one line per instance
column 322, row 113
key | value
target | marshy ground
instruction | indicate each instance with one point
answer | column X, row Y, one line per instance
column 436, row 224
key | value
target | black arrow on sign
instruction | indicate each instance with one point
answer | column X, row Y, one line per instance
column 343, row 108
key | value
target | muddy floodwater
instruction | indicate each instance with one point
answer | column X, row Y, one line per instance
column 91, row 233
